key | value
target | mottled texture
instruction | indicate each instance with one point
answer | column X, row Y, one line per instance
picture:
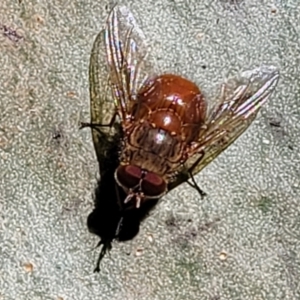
column 240, row 242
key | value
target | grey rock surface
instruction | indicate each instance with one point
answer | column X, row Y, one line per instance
column 242, row 241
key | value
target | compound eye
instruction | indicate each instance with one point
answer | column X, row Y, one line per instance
column 153, row 185
column 128, row 176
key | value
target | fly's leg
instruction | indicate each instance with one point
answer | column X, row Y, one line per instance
column 106, row 247
column 120, row 224
column 95, row 125
column 194, row 185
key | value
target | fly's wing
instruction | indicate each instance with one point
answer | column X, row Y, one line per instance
column 118, row 69
column 101, row 103
column 240, row 101
column 128, row 59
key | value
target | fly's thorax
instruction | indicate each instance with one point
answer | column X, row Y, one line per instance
column 152, row 149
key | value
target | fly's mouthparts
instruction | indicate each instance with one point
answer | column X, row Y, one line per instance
column 138, row 198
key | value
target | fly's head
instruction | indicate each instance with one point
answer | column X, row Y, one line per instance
column 139, row 184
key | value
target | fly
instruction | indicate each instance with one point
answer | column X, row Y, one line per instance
column 162, row 128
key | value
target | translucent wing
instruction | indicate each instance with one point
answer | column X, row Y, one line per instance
column 238, row 106
column 118, row 69
column 101, row 104
column 127, row 58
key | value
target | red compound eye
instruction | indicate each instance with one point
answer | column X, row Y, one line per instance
column 128, row 176
column 153, row 185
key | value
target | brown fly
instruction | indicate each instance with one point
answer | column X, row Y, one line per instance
column 165, row 130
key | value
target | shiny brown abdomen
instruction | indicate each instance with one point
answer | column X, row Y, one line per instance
column 174, row 104
column 167, row 118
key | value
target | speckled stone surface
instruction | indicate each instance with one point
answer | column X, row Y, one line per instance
column 240, row 242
